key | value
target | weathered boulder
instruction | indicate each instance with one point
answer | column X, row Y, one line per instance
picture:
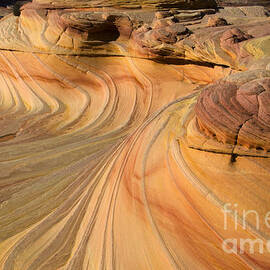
column 159, row 38
column 216, row 21
column 235, row 111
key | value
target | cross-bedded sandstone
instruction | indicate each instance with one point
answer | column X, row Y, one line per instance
column 104, row 162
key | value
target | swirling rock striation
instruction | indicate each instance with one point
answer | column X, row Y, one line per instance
column 97, row 169
column 61, row 32
column 177, row 34
column 236, row 113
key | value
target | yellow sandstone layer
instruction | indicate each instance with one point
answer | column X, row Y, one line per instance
column 110, row 160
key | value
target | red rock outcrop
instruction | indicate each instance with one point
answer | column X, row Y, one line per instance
column 233, row 43
column 159, row 38
column 237, row 113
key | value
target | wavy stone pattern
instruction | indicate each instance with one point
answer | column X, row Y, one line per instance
column 227, row 45
column 177, row 34
column 236, row 114
column 78, row 181
column 96, row 167
column 64, row 32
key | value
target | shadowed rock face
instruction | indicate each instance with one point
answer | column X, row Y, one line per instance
column 64, row 32
column 7, row 2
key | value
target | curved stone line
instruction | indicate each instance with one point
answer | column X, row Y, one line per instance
column 96, row 168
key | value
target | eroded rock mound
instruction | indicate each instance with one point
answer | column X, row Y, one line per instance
column 236, row 111
column 159, row 38
column 216, row 21
column 76, row 28
column 237, row 42
column 64, row 32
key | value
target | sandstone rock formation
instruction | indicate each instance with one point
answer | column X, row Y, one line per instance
column 235, row 111
column 126, row 128
column 216, row 21
column 61, row 32
column 236, row 42
column 182, row 4
column 170, row 34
